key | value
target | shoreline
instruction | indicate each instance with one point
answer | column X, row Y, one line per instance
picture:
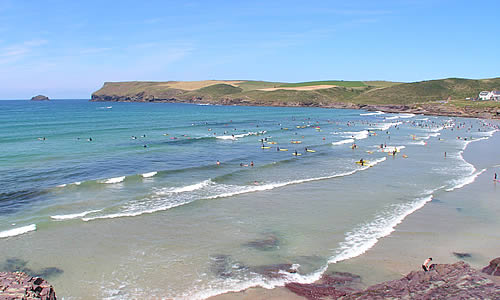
column 429, row 108
column 444, row 232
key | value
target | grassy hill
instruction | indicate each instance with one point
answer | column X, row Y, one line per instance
column 423, row 95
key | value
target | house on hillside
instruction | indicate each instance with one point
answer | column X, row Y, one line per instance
column 485, row 95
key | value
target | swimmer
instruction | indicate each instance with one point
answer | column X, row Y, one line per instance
column 251, row 163
column 145, row 146
column 218, row 163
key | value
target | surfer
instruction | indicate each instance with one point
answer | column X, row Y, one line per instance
column 218, row 162
column 426, row 265
column 495, row 177
column 362, row 162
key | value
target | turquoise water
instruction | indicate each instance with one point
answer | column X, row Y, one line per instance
column 128, row 196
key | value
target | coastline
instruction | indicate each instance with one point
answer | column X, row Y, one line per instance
column 442, row 228
column 438, row 108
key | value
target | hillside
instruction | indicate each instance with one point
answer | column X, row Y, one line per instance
column 424, row 97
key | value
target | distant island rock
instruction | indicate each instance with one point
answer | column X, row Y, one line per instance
column 40, row 98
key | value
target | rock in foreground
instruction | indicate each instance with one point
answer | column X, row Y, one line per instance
column 445, row 281
column 493, row 268
column 40, row 98
column 19, row 285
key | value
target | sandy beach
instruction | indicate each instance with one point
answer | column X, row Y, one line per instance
column 443, row 229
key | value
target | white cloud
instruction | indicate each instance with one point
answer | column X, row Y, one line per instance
column 16, row 52
column 94, row 50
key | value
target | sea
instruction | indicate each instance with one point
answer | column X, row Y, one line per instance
column 111, row 200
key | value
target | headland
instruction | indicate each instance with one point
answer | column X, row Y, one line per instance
column 443, row 97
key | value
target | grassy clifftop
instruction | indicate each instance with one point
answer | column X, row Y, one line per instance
column 418, row 96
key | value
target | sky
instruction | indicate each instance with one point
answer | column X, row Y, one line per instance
column 68, row 49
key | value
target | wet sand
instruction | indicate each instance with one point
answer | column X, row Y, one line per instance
column 465, row 221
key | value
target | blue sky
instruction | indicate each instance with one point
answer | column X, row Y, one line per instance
column 68, row 49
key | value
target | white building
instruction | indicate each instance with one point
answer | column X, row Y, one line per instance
column 495, row 95
column 485, row 95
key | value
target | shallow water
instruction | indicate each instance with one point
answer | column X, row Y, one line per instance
column 166, row 221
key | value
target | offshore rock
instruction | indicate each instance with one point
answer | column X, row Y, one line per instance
column 40, row 98
column 493, row 268
column 19, row 285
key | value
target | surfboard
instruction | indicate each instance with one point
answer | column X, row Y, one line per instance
column 266, row 147
column 297, row 154
column 283, row 149
column 312, row 151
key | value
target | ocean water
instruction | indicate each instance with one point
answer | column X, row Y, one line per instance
column 126, row 200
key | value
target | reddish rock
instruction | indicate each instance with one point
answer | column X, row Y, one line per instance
column 446, row 281
column 19, row 285
column 334, row 285
column 493, row 268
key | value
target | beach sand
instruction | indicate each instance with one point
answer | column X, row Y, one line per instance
column 443, row 226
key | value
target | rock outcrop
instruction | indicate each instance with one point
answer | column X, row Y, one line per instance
column 493, row 268
column 444, row 281
column 19, row 285
column 40, row 98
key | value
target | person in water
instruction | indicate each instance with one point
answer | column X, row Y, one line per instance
column 362, row 162
column 218, row 162
column 251, row 163
column 427, row 264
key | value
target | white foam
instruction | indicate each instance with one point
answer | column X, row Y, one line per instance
column 217, row 190
column 357, row 135
column 73, row 216
column 392, row 118
column 348, row 141
column 421, row 143
column 61, row 185
column 150, row 174
column 373, row 113
column 385, row 126
column 356, row 243
column 406, row 115
column 460, row 183
column 236, row 136
column 113, row 180
column 392, row 148
column 271, row 186
column 190, row 188
column 367, row 235
column 437, row 129
column 17, row 231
